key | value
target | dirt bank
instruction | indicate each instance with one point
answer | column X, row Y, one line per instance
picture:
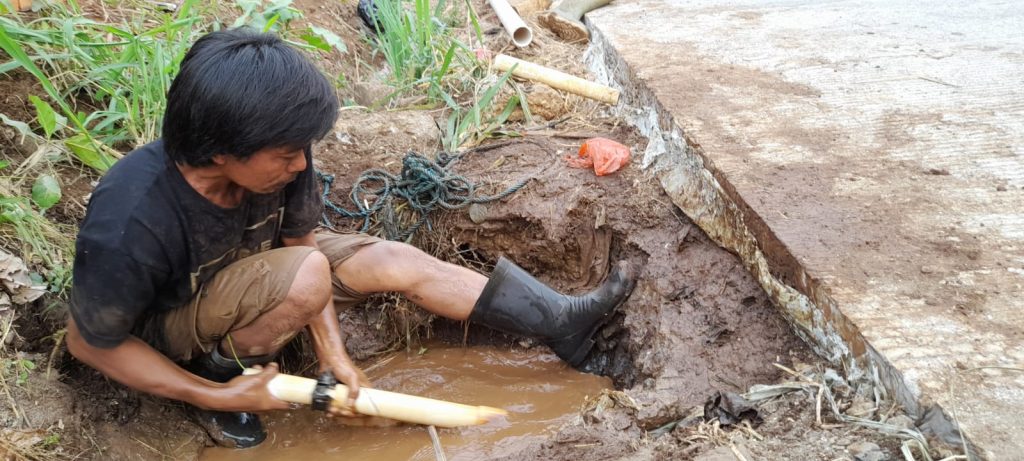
column 696, row 324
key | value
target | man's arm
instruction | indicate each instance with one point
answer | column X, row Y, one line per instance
column 327, row 340
column 138, row 366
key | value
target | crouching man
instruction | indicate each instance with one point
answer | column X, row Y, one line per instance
column 199, row 254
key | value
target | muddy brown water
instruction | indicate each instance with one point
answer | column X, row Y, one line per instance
column 539, row 391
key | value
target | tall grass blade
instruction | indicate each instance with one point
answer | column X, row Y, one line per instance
column 476, row 23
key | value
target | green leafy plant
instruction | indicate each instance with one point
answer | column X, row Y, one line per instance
column 82, row 64
column 23, row 367
column 133, row 77
column 49, row 120
column 277, row 16
column 45, row 191
column 45, row 149
column 20, row 367
column 23, row 60
column 273, row 18
column 475, row 123
column 42, row 242
column 51, row 441
column 423, row 54
column 323, row 39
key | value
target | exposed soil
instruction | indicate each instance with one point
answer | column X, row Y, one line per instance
column 697, row 322
column 14, row 90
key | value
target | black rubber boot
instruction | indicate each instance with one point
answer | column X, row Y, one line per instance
column 228, row 429
column 515, row 302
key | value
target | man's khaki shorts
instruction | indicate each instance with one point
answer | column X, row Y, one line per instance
column 250, row 287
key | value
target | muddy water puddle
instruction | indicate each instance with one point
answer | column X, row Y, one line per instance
column 539, row 391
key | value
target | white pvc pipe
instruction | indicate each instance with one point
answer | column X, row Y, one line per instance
column 514, row 25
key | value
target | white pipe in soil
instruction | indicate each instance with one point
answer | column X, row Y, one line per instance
column 556, row 79
column 374, row 402
column 514, row 25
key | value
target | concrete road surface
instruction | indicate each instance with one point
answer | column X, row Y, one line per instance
column 866, row 160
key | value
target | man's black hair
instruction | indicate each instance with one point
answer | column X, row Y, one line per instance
column 239, row 91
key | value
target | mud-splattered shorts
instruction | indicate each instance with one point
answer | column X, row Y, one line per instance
column 248, row 288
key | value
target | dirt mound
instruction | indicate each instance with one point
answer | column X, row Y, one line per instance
column 362, row 140
column 696, row 323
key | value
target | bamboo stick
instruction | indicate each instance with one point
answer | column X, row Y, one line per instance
column 374, row 402
column 556, row 79
column 530, row 7
column 514, row 25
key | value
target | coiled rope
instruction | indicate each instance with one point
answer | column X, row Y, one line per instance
column 424, row 185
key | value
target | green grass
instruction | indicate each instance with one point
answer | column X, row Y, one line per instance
column 278, row 16
column 425, row 56
column 42, row 243
column 108, row 81
column 472, row 124
column 420, row 49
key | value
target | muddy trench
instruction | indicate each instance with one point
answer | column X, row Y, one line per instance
column 696, row 323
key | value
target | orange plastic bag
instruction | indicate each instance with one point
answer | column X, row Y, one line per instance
column 604, row 155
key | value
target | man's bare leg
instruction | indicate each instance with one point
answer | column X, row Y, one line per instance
column 439, row 287
column 309, row 293
column 516, row 302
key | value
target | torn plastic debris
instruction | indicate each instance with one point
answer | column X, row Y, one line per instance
column 16, row 280
column 603, row 155
column 368, row 12
column 729, row 409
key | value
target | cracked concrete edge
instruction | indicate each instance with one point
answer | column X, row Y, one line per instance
column 677, row 163
column 698, row 189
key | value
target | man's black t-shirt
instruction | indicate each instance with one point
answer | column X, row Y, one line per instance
column 149, row 241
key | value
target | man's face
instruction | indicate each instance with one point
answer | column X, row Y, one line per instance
column 266, row 171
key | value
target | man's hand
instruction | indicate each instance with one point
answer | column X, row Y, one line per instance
column 138, row 366
column 330, row 347
column 250, row 393
column 345, row 371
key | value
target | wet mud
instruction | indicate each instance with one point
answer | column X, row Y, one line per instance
column 697, row 322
